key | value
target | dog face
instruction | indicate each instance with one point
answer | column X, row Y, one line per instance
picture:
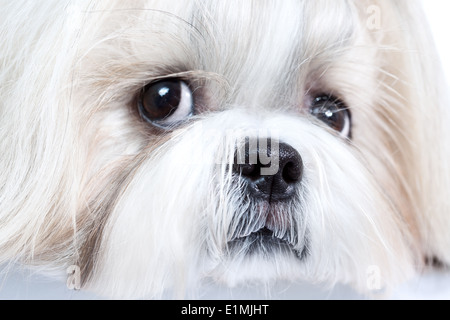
column 158, row 145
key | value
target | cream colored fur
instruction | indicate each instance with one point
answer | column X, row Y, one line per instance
column 84, row 181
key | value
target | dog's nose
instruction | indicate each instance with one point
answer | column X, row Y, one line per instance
column 273, row 180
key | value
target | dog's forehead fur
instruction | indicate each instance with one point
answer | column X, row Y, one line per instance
column 211, row 33
column 279, row 46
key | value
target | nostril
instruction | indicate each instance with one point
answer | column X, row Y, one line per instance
column 292, row 172
column 251, row 171
column 291, row 164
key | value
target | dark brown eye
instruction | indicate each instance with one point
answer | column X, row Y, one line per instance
column 166, row 103
column 334, row 113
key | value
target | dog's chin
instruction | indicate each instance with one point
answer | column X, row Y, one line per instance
column 265, row 246
column 276, row 232
column 260, row 258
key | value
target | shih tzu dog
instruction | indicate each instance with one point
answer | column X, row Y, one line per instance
column 152, row 146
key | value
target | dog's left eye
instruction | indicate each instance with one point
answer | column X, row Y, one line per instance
column 167, row 103
column 334, row 113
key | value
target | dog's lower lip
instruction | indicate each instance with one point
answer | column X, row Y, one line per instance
column 264, row 235
column 265, row 232
column 265, row 241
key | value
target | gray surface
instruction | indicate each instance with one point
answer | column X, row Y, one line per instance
column 24, row 286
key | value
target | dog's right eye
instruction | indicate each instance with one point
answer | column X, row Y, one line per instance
column 334, row 113
column 166, row 104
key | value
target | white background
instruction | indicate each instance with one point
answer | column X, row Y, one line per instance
column 24, row 285
column 439, row 18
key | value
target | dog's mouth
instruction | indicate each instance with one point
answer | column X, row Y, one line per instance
column 266, row 242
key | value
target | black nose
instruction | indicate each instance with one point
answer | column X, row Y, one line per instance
column 270, row 170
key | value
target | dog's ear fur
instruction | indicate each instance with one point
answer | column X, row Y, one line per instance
column 40, row 177
column 413, row 75
column 429, row 176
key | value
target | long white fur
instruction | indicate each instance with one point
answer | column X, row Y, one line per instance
column 78, row 168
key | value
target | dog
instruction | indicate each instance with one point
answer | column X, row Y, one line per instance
column 153, row 146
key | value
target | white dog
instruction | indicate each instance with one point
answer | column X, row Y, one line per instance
column 154, row 145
